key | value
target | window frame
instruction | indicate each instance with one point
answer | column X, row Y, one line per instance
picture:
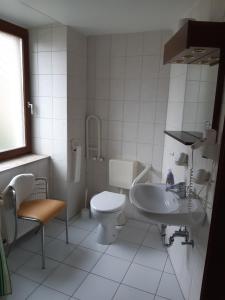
column 23, row 34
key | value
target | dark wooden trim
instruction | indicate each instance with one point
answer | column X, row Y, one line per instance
column 13, row 29
column 214, row 271
column 209, row 36
column 23, row 34
column 176, row 44
column 206, row 34
column 26, row 73
column 219, row 91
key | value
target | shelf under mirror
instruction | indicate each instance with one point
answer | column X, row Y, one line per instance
column 185, row 137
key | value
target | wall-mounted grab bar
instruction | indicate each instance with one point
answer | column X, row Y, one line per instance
column 91, row 148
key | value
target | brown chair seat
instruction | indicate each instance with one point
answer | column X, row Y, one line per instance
column 43, row 210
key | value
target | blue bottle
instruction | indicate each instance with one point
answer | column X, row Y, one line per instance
column 169, row 178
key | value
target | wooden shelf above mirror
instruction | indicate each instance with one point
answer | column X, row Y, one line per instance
column 196, row 43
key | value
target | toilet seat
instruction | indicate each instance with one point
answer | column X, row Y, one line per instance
column 107, row 202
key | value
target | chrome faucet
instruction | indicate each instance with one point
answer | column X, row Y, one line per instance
column 178, row 188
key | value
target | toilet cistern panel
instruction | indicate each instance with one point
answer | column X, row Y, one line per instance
column 122, row 173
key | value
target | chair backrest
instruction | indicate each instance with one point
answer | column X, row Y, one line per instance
column 23, row 185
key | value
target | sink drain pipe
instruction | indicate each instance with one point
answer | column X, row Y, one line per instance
column 182, row 232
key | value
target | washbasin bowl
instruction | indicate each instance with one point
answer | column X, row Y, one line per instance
column 143, row 197
column 165, row 207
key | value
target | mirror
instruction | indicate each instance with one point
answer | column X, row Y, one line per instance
column 199, row 97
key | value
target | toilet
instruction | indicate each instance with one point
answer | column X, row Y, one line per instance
column 107, row 207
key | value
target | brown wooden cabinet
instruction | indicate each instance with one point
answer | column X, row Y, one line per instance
column 196, row 43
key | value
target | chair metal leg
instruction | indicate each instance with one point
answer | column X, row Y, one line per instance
column 67, row 235
column 43, row 245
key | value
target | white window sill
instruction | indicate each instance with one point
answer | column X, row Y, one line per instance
column 20, row 161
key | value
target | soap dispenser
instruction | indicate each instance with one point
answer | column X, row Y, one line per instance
column 169, row 178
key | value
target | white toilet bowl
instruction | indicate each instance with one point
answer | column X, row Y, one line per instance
column 105, row 208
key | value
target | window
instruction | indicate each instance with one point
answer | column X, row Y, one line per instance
column 15, row 137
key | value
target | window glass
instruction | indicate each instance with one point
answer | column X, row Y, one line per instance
column 12, row 128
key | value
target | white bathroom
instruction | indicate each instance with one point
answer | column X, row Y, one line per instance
column 112, row 149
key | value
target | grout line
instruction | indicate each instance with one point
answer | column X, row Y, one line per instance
column 162, row 271
column 15, row 271
column 89, row 272
column 151, row 268
column 161, row 297
column 155, row 249
column 50, row 273
column 43, row 280
column 178, row 283
column 160, row 281
column 97, row 275
column 102, row 253
column 140, row 102
column 124, row 78
column 138, row 289
column 32, row 292
column 60, row 263
column 38, row 284
column 38, row 250
column 54, row 289
column 131, row 263
column 168, row 258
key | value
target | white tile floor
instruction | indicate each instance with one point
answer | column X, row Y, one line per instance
column 136, row 267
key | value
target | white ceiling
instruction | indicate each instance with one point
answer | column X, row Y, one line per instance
column 97, row 16
column 16, row 12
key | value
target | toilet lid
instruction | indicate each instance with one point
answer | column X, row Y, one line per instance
column 108, row 202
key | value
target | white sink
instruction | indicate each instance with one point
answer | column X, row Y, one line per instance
column 165, row 207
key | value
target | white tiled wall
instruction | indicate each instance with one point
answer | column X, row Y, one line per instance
column 191, row 97
column 190, row 85
column 176, row 97
column 199, row 97
column 76, row 110
column 128, row 89
column 48, row 48
column 58, row 77
column 188, row 263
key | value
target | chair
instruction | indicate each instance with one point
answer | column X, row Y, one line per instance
column 27, row 197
